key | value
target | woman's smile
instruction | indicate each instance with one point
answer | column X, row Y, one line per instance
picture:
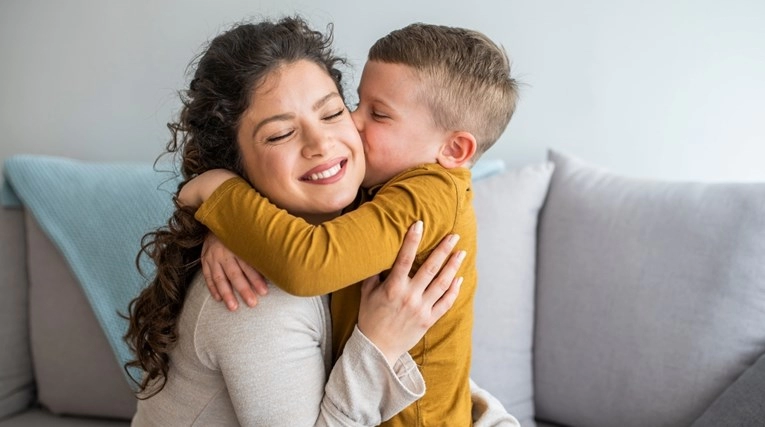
column 327, row 173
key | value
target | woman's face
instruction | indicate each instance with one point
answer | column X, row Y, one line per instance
column 299, row 145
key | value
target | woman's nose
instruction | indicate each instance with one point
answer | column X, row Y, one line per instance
column 317, row 143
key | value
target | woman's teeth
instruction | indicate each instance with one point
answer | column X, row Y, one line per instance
column 334, row 170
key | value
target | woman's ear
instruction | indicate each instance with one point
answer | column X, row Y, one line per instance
column 458, row 150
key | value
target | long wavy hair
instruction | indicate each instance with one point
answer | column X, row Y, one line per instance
column 226, row 73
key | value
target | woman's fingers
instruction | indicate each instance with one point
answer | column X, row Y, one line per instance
column 408, row 252
column 396, row 313
column 447, row 299
column 432, row 266
column 437, row 287
column 369, row 284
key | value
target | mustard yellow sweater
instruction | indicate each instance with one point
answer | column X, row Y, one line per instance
column 309, row 260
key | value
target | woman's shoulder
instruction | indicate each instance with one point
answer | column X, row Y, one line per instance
column 278, row 318
column 275, row 311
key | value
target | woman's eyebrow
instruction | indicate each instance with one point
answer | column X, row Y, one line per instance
column 276, row 118
column 288, row 116
column 324, row 99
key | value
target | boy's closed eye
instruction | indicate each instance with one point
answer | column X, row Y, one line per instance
column 378, row 115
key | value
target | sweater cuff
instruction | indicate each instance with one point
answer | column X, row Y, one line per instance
column 410, row 379
column 366, row 389
column 208, row 206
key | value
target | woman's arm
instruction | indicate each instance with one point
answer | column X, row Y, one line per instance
column 274, row 359
column 306, row 259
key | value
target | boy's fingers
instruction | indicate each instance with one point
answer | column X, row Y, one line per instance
column 256, row 280
column 220, row 281
column 209, row 282
column 240, row 282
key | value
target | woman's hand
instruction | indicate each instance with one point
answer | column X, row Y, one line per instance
column 223, row 271
column 396, row 313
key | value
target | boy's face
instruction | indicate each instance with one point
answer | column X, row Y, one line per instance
column 299, row 145
column 395, row 124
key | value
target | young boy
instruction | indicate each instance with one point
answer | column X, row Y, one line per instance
column 432, row 99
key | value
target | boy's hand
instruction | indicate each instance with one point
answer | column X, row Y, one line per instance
column 200, row 188
column 396, row 313
column 222, row 269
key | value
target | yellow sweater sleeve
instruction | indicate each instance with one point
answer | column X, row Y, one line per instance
column 305, row 259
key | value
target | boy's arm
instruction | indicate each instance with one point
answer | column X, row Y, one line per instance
column 199, row 189
column 306, row 260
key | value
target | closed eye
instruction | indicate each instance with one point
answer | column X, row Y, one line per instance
column 335, row 115
column 280, row 137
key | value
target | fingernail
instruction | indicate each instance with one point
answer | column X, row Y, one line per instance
column 454, row 238
column 459, row 282
column 417, row 227
column 231, row 306
column 461, row 255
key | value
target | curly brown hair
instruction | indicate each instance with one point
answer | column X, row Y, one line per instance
column 227, row 72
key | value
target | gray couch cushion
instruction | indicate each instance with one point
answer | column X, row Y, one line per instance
column 507, row 208
column 650, row 296
column 36, row 417
column 742, row 404
column 77, row 372
column 16, row 378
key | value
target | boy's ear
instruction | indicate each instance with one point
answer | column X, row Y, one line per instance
column 457, row 150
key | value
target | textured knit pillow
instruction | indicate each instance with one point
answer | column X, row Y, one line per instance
column 507, row 208
column 650, row 296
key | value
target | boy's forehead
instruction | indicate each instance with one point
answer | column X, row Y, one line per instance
column 386, row 78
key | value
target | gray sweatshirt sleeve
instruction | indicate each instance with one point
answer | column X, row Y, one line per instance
column 275, row 359
column 363, row 387
column 488, row 411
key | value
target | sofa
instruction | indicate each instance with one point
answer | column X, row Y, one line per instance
column 603, row 300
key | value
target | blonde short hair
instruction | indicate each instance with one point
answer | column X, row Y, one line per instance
column 466, row 76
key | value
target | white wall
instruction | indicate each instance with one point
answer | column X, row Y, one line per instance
column 669, row 89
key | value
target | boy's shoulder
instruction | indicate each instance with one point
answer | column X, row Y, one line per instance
column 431, row 172
column 426, row 180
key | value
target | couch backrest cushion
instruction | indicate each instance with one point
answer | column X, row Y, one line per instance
column 650, row 296
column 507, row 207
column 76, row 371
column 742, row 404
column 16, row 378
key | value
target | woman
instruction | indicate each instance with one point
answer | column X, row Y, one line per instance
column 266, row 101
